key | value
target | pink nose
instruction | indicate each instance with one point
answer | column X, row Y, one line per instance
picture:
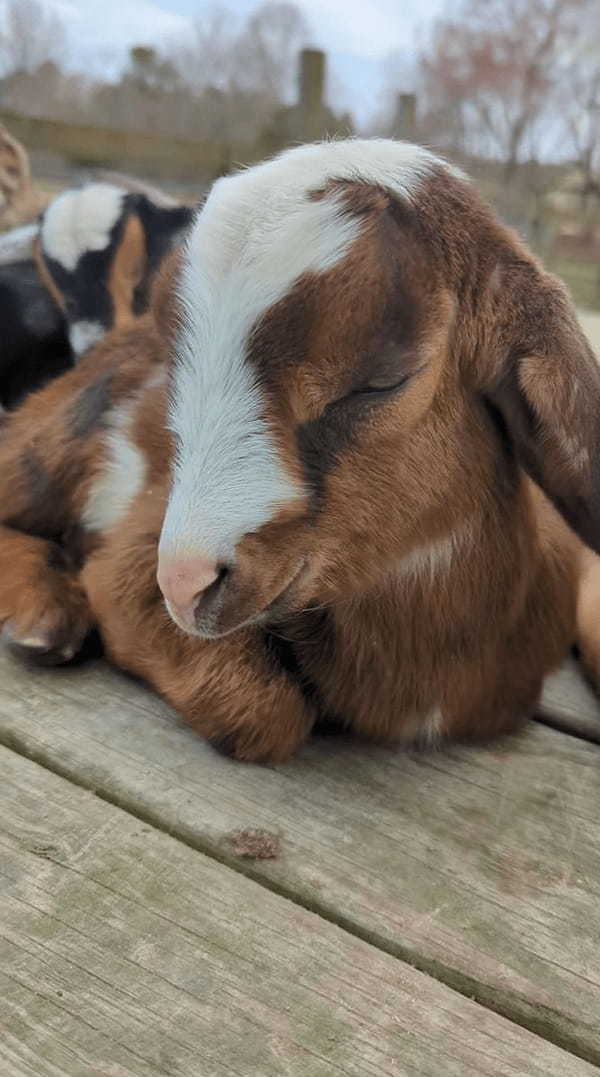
column 182, row 580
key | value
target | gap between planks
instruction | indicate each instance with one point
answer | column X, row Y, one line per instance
column 125, row 952
column 112, row 701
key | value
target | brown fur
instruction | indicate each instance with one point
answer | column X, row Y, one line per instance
column 45, row 276
column 127, row 271
column 425, row 585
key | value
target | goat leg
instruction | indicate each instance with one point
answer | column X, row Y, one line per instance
column 233, row 690
column 44, row 615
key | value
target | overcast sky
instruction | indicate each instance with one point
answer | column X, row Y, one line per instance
column 358, row 34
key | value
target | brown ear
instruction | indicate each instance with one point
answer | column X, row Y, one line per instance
column 45, row 275
column 163, row 294
column 546, row 386
column 127, row 270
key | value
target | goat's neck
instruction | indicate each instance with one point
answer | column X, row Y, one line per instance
column 387, row 656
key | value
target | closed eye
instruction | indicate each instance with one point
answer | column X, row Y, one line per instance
column 375, row 388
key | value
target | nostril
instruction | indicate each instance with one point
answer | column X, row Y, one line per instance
column 183, row 580
column 208, row 594
column 223, row 572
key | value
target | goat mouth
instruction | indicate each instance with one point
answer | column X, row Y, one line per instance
column 277, row 608
column 281, row 605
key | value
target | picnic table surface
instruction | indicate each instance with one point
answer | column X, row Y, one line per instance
column 359, row 911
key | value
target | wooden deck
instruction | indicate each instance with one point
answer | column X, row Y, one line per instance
column 358, row 912
column 406, row 915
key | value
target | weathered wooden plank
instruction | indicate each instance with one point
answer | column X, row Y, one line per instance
column 126, row 952
column 480, row 865
column 569, row 703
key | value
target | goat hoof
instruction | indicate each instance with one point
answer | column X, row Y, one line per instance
column 225, row 744
column 41, row 646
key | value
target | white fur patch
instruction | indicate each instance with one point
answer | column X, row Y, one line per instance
column 577, row 454
column 79, row 221
column 121, row 478
column 154, row 381
column 434, row 557
column 17, row 245
column 257, row 234
column 424, row 729
column 431, row 730
column 83, row 334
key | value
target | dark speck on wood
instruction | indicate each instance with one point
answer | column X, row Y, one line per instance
column 255, row 844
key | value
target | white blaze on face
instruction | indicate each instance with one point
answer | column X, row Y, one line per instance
column 79, row 221
column 257, row 234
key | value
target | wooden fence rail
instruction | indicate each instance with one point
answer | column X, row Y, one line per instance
column 155, row 155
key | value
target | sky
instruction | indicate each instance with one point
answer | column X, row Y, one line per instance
column 358, row 35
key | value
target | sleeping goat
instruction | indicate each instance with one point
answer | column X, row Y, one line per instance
column 339, row 473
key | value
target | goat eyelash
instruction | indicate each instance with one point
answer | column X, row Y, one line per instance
column 378, row 390
column 368, row 393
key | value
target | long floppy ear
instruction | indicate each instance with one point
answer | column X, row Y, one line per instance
column 546, row 386
column 163, row 295
column 127, row 270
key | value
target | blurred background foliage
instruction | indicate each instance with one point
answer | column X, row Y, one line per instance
column 508, row 89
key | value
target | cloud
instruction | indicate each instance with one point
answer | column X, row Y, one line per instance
column 101, row 33
column 371, row 30
column 364, row 29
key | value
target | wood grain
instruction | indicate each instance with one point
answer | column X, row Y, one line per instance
column 569, row 703
column 125, row 952
column 481, row 866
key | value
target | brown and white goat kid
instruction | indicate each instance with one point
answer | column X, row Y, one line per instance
column 323, row 448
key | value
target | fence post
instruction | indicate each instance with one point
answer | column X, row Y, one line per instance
column 405, row 118
column 311, row 88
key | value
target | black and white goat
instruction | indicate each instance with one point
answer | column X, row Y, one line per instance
column 97, row 252
column 84, row 269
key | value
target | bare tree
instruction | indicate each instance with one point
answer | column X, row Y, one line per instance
column 581, row 101
column 224, row 81
column 206, row 58
column 267, row 50
column 32, row 36
column 238, row 72
column 492, row 73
